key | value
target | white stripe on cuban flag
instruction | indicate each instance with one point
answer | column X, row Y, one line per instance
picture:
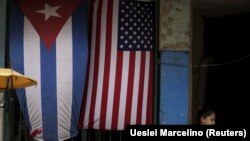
column 51, row 109
column 64, row 75
column 33, row 70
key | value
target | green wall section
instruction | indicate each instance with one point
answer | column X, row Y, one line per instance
column 2, row 31
column 4, row 130
column 175, row 25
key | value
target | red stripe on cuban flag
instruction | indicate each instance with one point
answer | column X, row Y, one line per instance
column 51, row 109
column 119, row 86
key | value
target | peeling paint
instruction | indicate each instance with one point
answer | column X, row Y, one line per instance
column 175, row 29
column 170, row 31
column 170, row 19
column 178, row 9
column 182, row 46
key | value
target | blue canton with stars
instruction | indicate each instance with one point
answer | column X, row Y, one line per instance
column 136, row 26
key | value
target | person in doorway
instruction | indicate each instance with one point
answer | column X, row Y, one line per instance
column 206, row 116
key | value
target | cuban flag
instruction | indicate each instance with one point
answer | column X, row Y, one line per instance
column 48, row 43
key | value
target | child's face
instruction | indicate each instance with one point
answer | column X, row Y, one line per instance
column 208, row 120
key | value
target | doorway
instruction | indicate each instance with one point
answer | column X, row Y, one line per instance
column 227, row 41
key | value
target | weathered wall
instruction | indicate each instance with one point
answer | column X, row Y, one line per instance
column 175, row 65
column 174, row 88
column 175, row 21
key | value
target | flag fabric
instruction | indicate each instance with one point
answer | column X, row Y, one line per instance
column 119, row 86
column 48, row 43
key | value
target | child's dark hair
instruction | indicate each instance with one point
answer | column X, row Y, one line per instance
column 204, row 112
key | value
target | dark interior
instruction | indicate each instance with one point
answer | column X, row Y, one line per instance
column 227, row 41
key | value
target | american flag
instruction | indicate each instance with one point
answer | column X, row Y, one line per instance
column 120, row 73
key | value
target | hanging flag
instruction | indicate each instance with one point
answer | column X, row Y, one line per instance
column 119, row 85
column 48, row 43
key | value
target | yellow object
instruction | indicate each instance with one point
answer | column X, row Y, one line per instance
column 10, row 79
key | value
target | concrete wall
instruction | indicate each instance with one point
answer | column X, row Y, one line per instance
column 175, row 65
column 175, row 21
column 174, row 88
